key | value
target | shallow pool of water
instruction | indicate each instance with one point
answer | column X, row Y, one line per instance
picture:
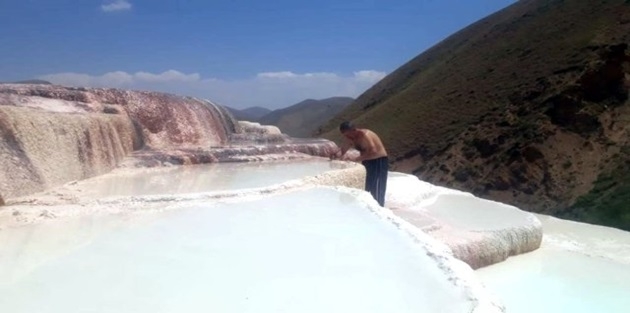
column 471, row 213
column 317, row 250
column 559, row 281
column 201, row 178
column 579, row 268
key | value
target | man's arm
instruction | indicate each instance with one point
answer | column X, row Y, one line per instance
column 345, row 146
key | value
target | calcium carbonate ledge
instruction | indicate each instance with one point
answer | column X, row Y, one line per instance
column 480, row 232
column 60, row 203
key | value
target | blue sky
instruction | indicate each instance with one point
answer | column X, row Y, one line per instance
column 237, row 53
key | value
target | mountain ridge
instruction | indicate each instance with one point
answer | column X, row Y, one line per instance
column 304, row 118
column 249, row 114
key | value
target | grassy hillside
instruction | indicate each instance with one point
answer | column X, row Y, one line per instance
column 303, row 119
column 527, row 106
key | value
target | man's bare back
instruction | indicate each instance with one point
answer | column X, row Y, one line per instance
column 368, row 144
column 366, row 141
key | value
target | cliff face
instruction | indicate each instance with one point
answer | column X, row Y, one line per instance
column 52, row 135
column 528, row 106
column 40, row 150
column 165, row 120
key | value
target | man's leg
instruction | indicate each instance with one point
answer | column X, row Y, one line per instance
column 383, row 168
column 371, row 178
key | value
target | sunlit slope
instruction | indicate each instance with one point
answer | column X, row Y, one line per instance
column 503, row 107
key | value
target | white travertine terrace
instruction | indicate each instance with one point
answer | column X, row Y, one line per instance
column 113, row 193
column 40, row 234
column 54, row 134
column 480, row 232
column 253, row 127
column 291, row 246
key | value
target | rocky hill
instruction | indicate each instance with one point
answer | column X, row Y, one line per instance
column 301, row 120
column 528, row 106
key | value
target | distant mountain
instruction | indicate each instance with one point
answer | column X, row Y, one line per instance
column 256, row 112
column 303, row 119
column 529, row 106
column 250, row 114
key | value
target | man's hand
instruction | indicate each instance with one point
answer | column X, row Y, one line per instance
column 352, row 155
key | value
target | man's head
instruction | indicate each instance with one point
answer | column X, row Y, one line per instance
column 348, row 130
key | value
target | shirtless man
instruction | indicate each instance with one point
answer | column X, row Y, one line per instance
column 373, row 157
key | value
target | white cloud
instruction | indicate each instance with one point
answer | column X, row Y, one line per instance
column 369, row 76
column 116, row 79
column 285, row 74
column 168, row 76
column 288, row 74
column 116, row 5
column 268, row 89
column 120, row 79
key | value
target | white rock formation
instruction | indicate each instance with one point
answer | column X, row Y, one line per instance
column 318, row 249
column 53, row 134
column 480, row 232
column 257, row 128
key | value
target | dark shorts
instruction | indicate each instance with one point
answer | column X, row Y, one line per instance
column 376, row 178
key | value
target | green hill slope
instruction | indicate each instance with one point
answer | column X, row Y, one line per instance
column 527, row 106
